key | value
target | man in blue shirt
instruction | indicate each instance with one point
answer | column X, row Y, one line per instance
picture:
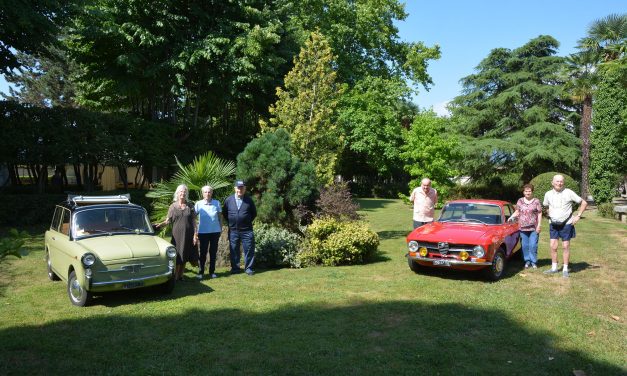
column 239, row 211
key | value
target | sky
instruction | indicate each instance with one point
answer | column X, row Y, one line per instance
column 467, row 31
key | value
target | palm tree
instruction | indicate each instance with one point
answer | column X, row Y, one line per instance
column 583, row 80
column 206, row 169
column 605, row 43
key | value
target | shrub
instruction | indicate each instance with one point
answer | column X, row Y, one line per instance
column 276, row 247
column 330, row 242
column 336, row 201
column 542, row 183
column 606, row 210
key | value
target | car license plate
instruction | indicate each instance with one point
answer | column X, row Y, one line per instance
column 132, row 285
column 441, row 262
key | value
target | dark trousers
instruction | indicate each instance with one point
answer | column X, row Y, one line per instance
column 208, row 242
column 247, row 240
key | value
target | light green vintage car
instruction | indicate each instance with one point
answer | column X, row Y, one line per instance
column 106, row 243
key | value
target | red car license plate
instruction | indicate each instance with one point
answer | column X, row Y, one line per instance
column 441, row 262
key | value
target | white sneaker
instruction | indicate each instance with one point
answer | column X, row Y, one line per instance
column 198, row 276
column 213, row 276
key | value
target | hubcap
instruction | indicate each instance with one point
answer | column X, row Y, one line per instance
column 76, row 290
column 498, row 265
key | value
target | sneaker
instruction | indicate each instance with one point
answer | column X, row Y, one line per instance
column 249, row 272
column 214, row 276
column 551, row 271
column 534, row 266
column 565, row 273
column 198, row 276
column 527, row 265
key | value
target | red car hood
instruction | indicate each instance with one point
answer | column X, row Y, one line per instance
column 456, row 233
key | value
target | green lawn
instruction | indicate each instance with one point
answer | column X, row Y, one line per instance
column 379, row 318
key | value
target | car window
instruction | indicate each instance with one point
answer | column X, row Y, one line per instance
column 109, row 221
column 508, row 211
column 471, row 212
column 65, row 222
column 56, row 218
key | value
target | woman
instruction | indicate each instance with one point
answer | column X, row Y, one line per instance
column 209, row 230
column 530, row 212
column 183, row 219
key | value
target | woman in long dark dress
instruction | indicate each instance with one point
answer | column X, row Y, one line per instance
column 183, row 219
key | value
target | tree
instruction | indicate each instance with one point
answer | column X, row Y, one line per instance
column 429, row 150
column 364, row 37
column 206, row 169
column 278, row 180
column 306, row 108
column 371, row 116
column 607, row 41
column 29, row 27
column 513, row 117
column 581, row 85
column 44, row 80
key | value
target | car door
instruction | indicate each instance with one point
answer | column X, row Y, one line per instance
column 58, row 241
column 511, row 229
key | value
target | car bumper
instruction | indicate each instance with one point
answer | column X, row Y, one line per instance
column 448, row 262
column 130, row 283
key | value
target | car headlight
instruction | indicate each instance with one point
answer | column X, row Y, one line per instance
column 423, row 251
column 413, row 246
column 478, row 251
column 88, row 259
column 171, row 252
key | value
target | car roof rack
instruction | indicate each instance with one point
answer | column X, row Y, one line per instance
column 91, row 200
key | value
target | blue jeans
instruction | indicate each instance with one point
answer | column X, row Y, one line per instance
column 529, row 241
column 247, row 240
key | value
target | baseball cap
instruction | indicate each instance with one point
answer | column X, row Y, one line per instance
column 239, row 183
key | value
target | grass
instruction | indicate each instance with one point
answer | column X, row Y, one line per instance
column 379, row 318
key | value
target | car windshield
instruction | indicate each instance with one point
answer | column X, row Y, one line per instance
column 471, row 212
column 109, row 221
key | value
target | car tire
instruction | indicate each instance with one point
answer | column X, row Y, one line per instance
column 413, row 265
column 77, row 293
column 495, row 271
column 51, row 275
column 168, row 287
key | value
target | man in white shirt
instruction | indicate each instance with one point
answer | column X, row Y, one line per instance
column 424, row 198
column 560, row 201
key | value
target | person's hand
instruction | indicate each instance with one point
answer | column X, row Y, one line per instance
column 538, row 229
column 576, row 219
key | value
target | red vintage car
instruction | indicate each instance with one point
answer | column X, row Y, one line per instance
column 469, row 235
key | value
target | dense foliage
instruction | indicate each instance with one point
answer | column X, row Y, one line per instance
column 430, row 151
column 608, row 156
column 11, row 244
column 336, row 201
column 513, row 115
column 332, row 242
column 276, row 247
column 542, row 183
column 278, row 180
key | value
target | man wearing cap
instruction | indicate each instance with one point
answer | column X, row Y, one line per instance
column 239, row 211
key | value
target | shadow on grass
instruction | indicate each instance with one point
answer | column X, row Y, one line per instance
column 396, row 337
column 385, row 235
column 372, row 204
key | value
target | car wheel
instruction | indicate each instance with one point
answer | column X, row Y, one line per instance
column 495, row 271
column 79, row 296
column 413, row 265
column 168, row 287
column 51, row 275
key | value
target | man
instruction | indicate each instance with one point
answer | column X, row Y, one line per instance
column 424, row 198
column 562, row 222
column 239, row 211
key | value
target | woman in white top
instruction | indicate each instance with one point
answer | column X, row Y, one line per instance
column 209, row 230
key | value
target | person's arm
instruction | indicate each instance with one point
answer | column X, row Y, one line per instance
column 225, row 210
column 412, row 196
column 253, row 209
column 219, row 213
column 582, row 207
column 539, row 225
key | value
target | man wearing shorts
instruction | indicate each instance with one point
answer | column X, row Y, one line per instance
column 560, row 201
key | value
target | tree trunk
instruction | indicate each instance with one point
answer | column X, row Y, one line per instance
column 13, row 175
column 123, row 175
column 586, row 120
column 77, row 174
column 42, row 178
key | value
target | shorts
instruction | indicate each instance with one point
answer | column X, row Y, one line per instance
column 566, row 232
